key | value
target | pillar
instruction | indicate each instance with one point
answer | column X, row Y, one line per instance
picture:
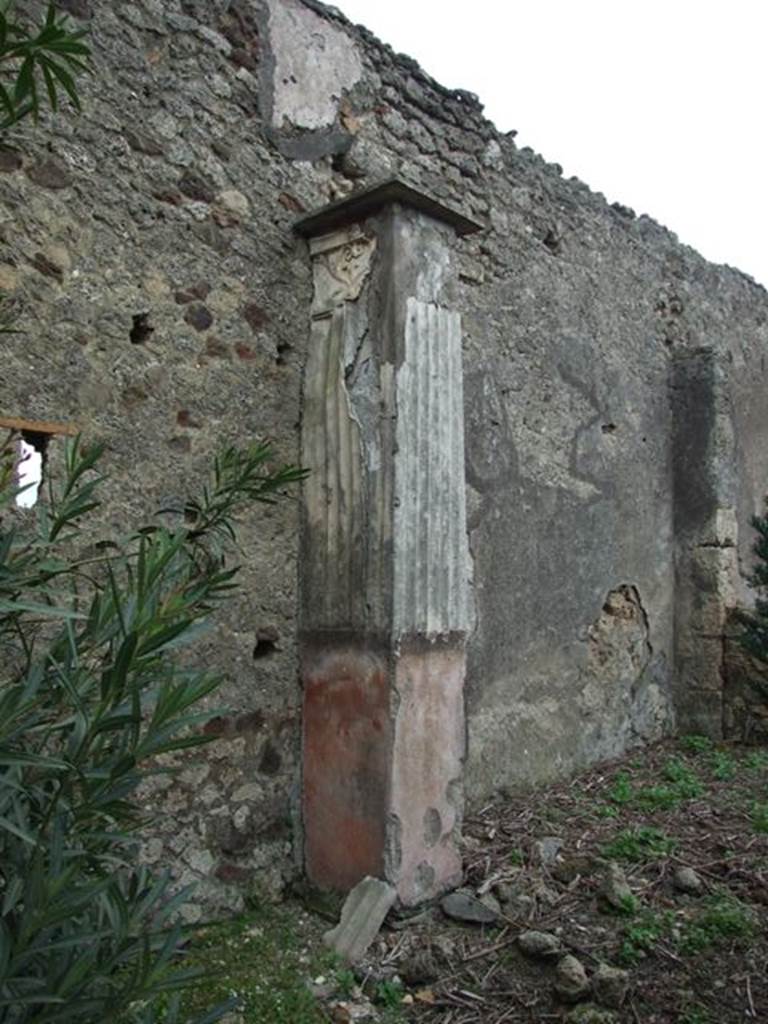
column 384, row 562
column 705, row 489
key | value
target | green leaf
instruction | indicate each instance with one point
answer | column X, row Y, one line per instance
column 25, row 83
column 16, row 830
column 50, row 85
column 30, row 760
column 47, row 610
column 66, row 80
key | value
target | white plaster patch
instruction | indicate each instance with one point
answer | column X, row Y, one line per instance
column 314, row 63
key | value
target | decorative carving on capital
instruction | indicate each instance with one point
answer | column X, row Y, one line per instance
column 341, row 262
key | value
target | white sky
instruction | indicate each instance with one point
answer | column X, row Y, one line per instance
column 660, row 104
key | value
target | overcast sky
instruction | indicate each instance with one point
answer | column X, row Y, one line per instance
column 660, row 104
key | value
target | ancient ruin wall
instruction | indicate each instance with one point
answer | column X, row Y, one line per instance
column 166, row 301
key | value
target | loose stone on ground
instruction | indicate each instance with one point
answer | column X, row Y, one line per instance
column 462, row 905
column 689, row 881
column 571, row 982
column 610, row 985
column 539, row 944
column 615, row 889
column 362, row 916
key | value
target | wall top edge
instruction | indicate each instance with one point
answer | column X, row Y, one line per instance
column 369, row 201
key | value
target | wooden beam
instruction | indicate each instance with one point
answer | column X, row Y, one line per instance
column 38, row 426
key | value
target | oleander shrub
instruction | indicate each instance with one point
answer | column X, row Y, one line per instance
column 92, row 691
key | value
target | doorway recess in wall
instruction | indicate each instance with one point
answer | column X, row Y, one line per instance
column 28, row 446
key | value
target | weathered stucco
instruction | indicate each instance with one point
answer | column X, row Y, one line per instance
column 314, row 64
column 385, row 567
column 614, row 400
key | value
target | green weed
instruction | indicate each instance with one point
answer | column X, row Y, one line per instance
column 721, row 919
column 658, row 798
column 757, row 760
column 345, row 982
column 723, row 765
column 607, row 811
column 621, row 791
column 684, row 779
column 681, row 783
column 639, row 844
column 389, row 994
column 695, row 1015
column 696, row 744
column 628, row 905
column 263, row 960
column 759, row 817
column 642, row 935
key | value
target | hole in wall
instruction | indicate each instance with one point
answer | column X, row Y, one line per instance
column 23, row 454
column 553, row 242
column 30, row 464
column 271, row 761
column 263, row 649
column 141, row 330
column 608, row 428
column 282, row 347
column 266, row 642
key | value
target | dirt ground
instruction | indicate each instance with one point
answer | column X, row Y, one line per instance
column 693, row 943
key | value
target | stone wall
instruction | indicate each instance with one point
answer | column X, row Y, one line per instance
column 166, row 300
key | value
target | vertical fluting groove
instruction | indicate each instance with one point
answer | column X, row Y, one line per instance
column 448, row 533
column 314, row 440
column 330, row 425
column 344, row 548
column 430, row 524
column 331, row 448
column 425, row 467
column 436, row 510
column 460, row 567
column 418, row 457
column 413, row 439
column 451, row 464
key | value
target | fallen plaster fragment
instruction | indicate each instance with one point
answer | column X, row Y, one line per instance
column 362, row 915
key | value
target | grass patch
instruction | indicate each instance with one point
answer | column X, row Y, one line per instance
column 621, row 792
column 628, row 905
column 759, row 817
column 658, row 798
column 683, row 778
column 721, row 919
column 263, row 960
column 389, row 994
column 345, row 982
column 723, row 766
column 695, row 1015
column 607, row 811
column 642, row 935
column 681, row 783
column 696, row 744
column 757, row 760
column 640, row 844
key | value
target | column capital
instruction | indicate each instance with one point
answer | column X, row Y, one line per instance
column 369, row 201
